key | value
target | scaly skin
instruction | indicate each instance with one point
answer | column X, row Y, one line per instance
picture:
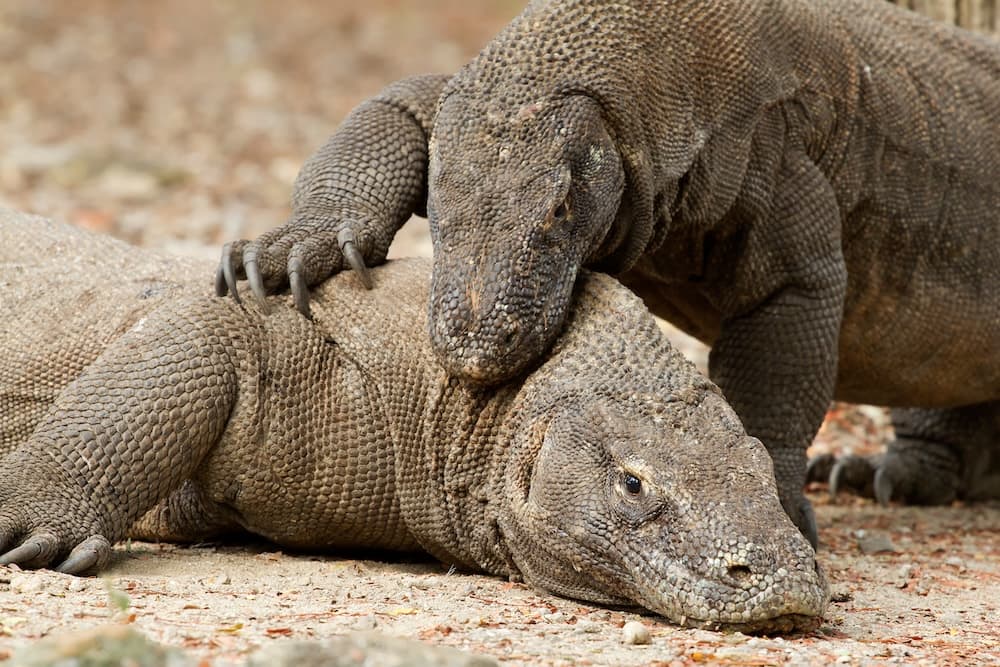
column 613, row 473
column 808, row 186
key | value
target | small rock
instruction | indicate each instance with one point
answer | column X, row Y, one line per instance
column 368, row 622
column 216, row 581
column 76, row 585
column 841, row 594
column 904, row 575
column 555, row 617
column 872, row 543
column 587, row 627
column 27, row 582
column 635, row 632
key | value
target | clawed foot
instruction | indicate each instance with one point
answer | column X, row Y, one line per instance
column 297, row 255
column 910, row 471
column 42, row 530
column 41, row 549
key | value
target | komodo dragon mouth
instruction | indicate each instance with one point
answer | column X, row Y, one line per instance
column 789, row 599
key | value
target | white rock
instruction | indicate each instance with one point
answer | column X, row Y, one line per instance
column 635, row 632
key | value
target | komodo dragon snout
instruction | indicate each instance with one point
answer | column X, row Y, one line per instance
column 519, row 201
column 665, row 505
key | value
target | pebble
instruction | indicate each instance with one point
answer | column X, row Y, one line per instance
column 873, row 543
column 216, row 581
column 841, row 593
column 368, row 622
column 587, row 627
column 27, row 582
column 635, row 632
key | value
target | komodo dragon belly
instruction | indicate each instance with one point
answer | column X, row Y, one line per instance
column 906, row 340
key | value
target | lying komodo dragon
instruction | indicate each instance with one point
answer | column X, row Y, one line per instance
column 812, row 187
column 613, row 473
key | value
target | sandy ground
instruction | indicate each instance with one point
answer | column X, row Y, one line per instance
column 181, row 125
column 932, row 599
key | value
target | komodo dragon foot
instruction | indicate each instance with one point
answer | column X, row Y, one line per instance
column 46, row 538
column 260, row 264
column 937, row 457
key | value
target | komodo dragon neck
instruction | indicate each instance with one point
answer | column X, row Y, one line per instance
column 449, row 462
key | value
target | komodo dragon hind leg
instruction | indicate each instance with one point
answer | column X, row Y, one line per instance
column 938, row 455
column 186, row 515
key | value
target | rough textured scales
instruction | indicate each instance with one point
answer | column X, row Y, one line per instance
column 809, row 186
column 613, row 473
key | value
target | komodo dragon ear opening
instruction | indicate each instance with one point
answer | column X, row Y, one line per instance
column 552, row 504
column 521, row 469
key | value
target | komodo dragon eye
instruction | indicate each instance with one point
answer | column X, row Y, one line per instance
column 632, row 484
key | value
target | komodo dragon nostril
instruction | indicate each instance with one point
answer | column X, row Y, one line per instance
column 740, row 573
column 510, row 334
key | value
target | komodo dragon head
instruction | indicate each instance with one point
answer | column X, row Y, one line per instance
column 631, row 481
column 511, row 228
column 539, row 165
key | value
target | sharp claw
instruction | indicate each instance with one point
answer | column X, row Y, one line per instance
column 78, row 563
column 818, row 468
column 883, row 487
column 300, row 293
column 837, row 477
column 228, row 272
column 220, row 282
column 25, row 553
column 253, row 277
column 349, row 248
column 93, row 553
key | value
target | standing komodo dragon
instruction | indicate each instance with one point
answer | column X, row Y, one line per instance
column 812, row 187
column 613, row 473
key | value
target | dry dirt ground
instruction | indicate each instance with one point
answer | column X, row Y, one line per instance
column 181, row 125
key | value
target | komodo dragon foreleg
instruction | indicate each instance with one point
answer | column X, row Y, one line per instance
column 349, row 199
column 172, row 402
column 938, row 455
column 776, row 357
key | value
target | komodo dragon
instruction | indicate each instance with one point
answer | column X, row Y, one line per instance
column 613, row 473
column 812, row 187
